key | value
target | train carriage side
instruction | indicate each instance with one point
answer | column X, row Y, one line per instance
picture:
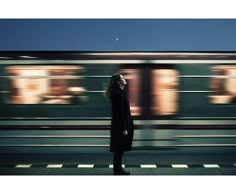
column 52, row 123
column 175, row 104
column 206, row 111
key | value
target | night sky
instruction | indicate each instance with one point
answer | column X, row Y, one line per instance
column 118, row 34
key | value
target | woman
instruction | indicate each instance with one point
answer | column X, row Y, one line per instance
column 121, row 124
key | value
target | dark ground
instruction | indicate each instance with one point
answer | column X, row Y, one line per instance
column 193, row 164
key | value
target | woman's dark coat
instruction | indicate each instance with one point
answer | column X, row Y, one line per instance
column 121, row 120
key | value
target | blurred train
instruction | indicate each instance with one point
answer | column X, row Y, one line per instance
column 55, row 101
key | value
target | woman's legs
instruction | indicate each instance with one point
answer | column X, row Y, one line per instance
column 117, row 164
column 117, row 160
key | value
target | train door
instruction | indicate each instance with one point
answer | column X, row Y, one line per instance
column 164, row 91
column 133, row 75
column 152, row 90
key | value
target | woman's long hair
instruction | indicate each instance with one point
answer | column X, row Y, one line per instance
column 115, row 78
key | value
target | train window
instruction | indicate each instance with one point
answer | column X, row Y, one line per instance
column 164, row 91
column 133, row 79
column 223, row 84
column 44, row 85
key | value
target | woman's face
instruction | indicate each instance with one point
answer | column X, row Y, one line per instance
column 122, row 80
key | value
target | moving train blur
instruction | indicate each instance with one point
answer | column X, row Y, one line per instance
column 55, row 101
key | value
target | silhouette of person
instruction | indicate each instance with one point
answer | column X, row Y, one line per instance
column 122, row 123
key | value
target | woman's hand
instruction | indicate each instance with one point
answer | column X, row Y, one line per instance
column 125, row 133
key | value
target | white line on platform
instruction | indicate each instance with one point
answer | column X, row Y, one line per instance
column 179, row 165
column 211, row 166
column 148, row 166
column 54, row 165
column 85, row 165
column 23, row 165
column 111, row 165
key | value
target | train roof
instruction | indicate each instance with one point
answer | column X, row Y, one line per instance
column 119, row 55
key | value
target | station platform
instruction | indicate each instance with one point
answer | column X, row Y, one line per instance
column 101, row 164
